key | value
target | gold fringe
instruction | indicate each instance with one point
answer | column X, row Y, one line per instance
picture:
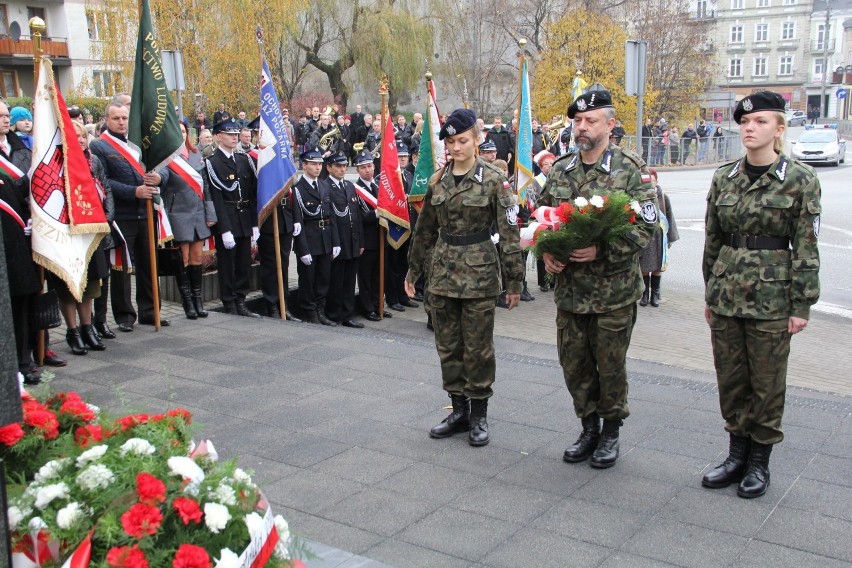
column 62, row 274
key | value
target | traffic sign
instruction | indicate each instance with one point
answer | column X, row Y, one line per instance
column 840, row 93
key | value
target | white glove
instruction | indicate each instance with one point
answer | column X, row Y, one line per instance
column 334, row 252
column 255, row 234
column 228, row 240
column 28, row 230
column 495, row 238
column 297, row 228
column 306, row 260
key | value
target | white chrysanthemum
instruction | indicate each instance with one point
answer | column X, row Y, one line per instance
column 137, row 446
column 16, row 515
column 597, row 201
column 224, row 493
column 93, row 454
column 254, row 522
column 636, row 207
column 51, row 470
column 240, row 476
column 186, row 468
column 93, row 408
column 48, row 493
column 69, row 515
column 94, row 477
column 216, row 517
column 581, row 202
column 283, row 528
column 36, row 524
column 227, row 559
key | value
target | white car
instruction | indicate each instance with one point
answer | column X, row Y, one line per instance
column 796, row 118
column 820, row 145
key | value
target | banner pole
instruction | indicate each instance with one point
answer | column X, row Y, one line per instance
column 278, row 267
column 383, row 92
column 37, row 28
column 152, row 251
column 522, row 43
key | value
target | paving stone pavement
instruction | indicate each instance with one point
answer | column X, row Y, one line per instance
column 334, row 423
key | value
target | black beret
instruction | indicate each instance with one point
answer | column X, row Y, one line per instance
column 487, row 146
column 227, row 126
column 460, row 120
column 312, row 155
column 756, row 102
column 590, row 101
column 338, row 158
column 364, row 157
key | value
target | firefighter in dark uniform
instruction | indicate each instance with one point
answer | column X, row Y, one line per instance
column 368, row 264
column 232, row 180
column 346, row 214
column 289, row 226
column 397, row 259
column 318, row 243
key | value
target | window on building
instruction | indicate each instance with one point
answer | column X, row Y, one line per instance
column 37, row 12
column 736, row 34
column 785, row 65
column 8, row 84
column 97, row 21
column 821, row 38
column 4, row 20
column 701, row 9
column 819, row 66
column 735, row 67
column 737, row 4
column 761, row 32
column 788, row 30
column 104, row 83
column 759, row 67
column 788, row 2
column 763, row 3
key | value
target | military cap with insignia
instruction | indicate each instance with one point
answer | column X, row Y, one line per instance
column 592, row 100
column 364, row 157
column 401, row 149
column 254, row 124
column 312, row 155
column 487, row 146
column 228, row 126
column 759, row 101
column 338, row 158
column 460, row 120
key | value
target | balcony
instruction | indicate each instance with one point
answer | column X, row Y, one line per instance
column 56, row 47
column 787, row 44
column 736, row 47
column 819, row 46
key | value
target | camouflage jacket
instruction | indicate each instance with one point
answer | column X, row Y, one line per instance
column 763, row 284
column 612, row 280
column 473, row 206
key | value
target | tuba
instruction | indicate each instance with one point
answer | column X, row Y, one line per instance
column 553, row 132
column 329, row 138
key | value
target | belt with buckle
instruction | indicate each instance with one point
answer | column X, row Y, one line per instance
column 323, row 223
column 240, row 204
column 755, row 242
column 471, row 239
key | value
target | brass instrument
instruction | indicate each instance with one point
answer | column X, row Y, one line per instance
column 328, row 139
column 329, row 111
column 555, row 127
column 358, row 146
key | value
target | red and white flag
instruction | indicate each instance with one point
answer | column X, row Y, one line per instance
column 68, row 216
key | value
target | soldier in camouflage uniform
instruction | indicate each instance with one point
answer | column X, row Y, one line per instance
column 761, row 269
column 452, row 243
column 597, row 287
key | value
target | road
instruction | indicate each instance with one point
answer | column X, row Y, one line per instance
column 687, row 190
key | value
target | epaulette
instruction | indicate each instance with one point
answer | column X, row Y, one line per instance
column 492, row 167
column 633, row 157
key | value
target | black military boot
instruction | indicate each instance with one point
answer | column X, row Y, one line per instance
column 525, row 294
column 646, row 294
column 587, row 442
column 182, row 280
column 194, row 272
column 272, row 310
column 756, row 478
column 311, row 316
column 478, row 435
column 242, row 309
column 606, row 453
column 458, row 420
column 655, row 291
column 731, row 470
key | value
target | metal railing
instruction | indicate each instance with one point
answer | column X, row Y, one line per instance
column 714, row 150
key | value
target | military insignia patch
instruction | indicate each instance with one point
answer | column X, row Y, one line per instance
column 606, row 164
column 581, row 105
column 512, row 215
column 451, row 131
column 781, row 172
column 748, row 105
column 649, row 212
column 477, row 175
column 816, row 226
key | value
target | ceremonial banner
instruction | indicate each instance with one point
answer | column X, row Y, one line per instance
column 67, row 212
column 523, row 162
column 275, row 169
column 392, row 203
column 432, row 153
column 153, row 124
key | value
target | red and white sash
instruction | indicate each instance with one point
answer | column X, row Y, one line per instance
column 10, row 169
column 9, row 210
column 371, row 200
column 119, row 256
column 188, row 174
column 123, row 148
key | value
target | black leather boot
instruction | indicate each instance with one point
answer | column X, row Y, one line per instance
column 732, row 469
column 242, row 309
column 75, row 342
column 646, row 294
column 756, row 478
column 606, row 453
column 194, row 272
column 525, row 294
column 478, row 435
column 182, row 281
column 104, row 331
column 91, row 338
column 323, row 319
column 655, row 291
column 229, row 307
column 291, row 317
column 273, row 311
column 587, row 442
column 458, row 420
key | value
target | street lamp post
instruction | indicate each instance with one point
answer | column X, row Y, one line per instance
column 825, row 36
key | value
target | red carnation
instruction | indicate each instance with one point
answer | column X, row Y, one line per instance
column 77, row 409
column 191, row 556
column 141, row 520
column 11, row 434
column 126, row 557
column 183, row 413
column 188, row 510
column 564, row 212
column 43, row 420
column 85, row 435
column 151, row 490
column 132, row 421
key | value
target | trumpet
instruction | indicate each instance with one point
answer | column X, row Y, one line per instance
column 328, row 139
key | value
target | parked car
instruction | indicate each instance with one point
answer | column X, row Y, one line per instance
column 796, row 118
column 820, row 145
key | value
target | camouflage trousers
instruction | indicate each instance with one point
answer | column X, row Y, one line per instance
column 751, row 370
column 464, row 336
column 593, row 354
